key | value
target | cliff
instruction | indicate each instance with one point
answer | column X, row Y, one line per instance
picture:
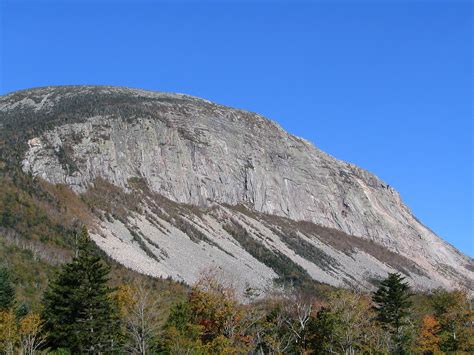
column 204, row 185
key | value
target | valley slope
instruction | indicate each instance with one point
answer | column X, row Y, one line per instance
column 178, row 185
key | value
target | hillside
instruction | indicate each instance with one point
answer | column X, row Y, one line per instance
column 171, row 185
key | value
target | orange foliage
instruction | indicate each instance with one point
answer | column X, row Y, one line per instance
column 428, row 339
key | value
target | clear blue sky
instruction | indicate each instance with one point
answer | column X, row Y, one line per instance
column 385, row 85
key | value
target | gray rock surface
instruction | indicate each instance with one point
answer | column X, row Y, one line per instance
column 196, row 152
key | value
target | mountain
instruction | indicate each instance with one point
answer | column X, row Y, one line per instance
column 175, row 185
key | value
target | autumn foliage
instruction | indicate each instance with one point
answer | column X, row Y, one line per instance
column 428, row 337
column 214, row 317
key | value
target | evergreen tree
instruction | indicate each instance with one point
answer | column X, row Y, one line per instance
column 323, row 329
column 7, row 292
column 79, row 313
column 21, row 310
column 392, row 303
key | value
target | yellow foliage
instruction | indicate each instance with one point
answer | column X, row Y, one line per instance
column 8, row 332
column 124, row 298
column 23, row 336
column 428, row 339
column 29, row 329
column 30, row 324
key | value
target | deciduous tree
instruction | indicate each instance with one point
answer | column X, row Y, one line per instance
column 30, row 333
column 140, row 315
column 211, row 317
column 452, row 310
column 428, row 336
column 8, row 332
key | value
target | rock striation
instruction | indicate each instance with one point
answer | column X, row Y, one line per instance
column 192, row 152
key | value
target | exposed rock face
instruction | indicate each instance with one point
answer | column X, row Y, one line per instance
column 194, row 152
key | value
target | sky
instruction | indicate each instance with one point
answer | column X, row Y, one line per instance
column 386, row 85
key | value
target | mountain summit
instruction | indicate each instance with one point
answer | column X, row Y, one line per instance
column 181, row 184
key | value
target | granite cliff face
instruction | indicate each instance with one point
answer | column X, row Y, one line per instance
column 202, row 160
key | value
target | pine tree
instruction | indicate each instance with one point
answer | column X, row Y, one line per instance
column 7, row 292
column 392, row 303
column 79, row 313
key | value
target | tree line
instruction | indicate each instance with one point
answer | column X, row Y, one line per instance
column 82, row 313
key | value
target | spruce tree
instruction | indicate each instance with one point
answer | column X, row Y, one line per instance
column 7, row 292
column 392, row 303
column 79, row 313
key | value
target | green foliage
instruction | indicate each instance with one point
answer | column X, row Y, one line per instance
column 37, row 222
column 289, row 273
column 20, row 329
column 209, row 321
column 307, row 250
column 21, row 212
column 78, row 310
column 323, row 328
column 22, row 310
column 392, row 300
column 392, row 303
column 7, row 292
column 343, row 325
column 180, row 334
column 452, row 311
column 180, row 316
column 31, row 272
column 346, row 243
